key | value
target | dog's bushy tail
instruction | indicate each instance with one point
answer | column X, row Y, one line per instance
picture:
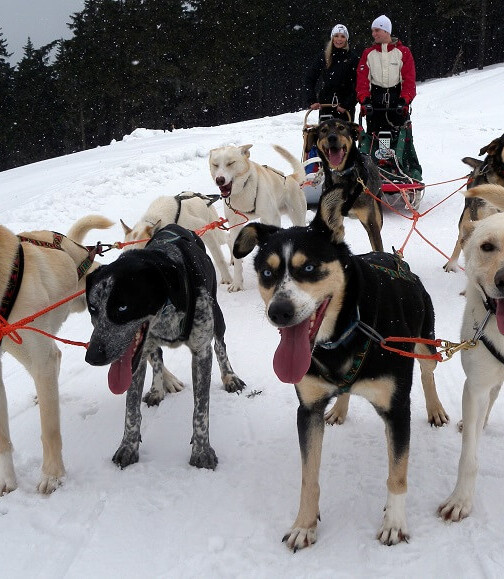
column 492, row 193
column 299, row 173
column 79, row 229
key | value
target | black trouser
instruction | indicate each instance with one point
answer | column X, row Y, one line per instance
column 386, row 119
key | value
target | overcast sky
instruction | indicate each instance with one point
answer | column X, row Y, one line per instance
column 41, row 20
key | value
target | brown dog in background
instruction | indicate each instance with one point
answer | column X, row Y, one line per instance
column 490, row 171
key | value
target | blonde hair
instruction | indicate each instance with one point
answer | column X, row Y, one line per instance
column 328, row 53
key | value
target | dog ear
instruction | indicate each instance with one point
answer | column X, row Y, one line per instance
column 355, row 130
column 491, row 148
column 329, row 218
column 310, row 138
column 245, row 150
column 472, row 162
column 126, row 229
column 251, row 235
column 153, row 229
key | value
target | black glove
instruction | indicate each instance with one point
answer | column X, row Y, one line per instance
column 366, row 107
column 402, row 108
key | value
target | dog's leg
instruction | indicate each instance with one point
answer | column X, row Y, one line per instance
column 310, row 423
column 394, row 527
column 494, row 393
column 452, row 264
column 372, row 222
column 475, row 405
column 237, row 283
column 436, row 414
column 232, row 383
column 7, row 475
column 338, row 413
column 128, row 451
column 163, row 381
column 45, row 376
column 202, row 455
column 218, row 256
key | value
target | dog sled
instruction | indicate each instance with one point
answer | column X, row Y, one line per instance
column 391, row 149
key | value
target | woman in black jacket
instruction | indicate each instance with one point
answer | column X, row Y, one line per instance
column 337, row 65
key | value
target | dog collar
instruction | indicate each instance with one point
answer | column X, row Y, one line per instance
column 345, row 335
column 342, row 173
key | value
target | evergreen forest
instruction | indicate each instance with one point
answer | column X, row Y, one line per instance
column 161, row 64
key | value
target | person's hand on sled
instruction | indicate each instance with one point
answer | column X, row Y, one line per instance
column 315, row 106
column 366, row 107
column 402, row 108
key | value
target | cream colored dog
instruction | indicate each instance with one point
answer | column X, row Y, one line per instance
column 483, row 246
column 257, row 191
column 189, row 210
column 48, row 276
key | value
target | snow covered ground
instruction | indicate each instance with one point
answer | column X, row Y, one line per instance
column 163, row 518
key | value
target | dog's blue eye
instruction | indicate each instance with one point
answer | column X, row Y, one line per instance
column 91, row 309
column 309, row 268
column 122, row 308
column 267, row 273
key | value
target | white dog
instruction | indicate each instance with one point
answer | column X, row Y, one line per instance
column 257, row 191
column 48, row 267
column 483, row 246
column 190, row 210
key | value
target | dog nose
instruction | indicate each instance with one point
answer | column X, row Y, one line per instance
column 220, row 181
column 281, row 312
column 96, row 354
column 332, row 140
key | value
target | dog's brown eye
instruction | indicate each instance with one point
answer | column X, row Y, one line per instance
column 487, row 247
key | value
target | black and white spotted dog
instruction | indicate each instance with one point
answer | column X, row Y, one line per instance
column 164, row 294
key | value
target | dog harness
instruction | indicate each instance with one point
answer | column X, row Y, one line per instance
column 179, row 198
column 85, row 264
column 13, row 285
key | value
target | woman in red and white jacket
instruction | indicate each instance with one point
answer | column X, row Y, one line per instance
column 386, row 79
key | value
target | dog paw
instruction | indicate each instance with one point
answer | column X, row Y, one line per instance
column 300, row 537
column 233, row 384
column 235, row 287
column 394, row 528
column 125, row 455
column 48, row 484
column 7, row 475
column 455, row 508
column 392, row 535
column 204, row 458
column 451, row 266
column 338, row 413
column 438, row 417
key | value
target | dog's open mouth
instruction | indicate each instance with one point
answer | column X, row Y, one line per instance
column 335, row 155
column 225, row 190
column 497, row 305
column 121, row 371
column 293, row 355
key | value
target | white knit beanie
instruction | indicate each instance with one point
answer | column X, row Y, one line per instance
column 382, row 22
column 340, row 29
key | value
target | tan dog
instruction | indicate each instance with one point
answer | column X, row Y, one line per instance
column 49, row 275
column 257, row 191
column 190, row 210
column 483, row 246
column 491, row 170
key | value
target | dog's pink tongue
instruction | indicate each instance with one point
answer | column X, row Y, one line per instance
column 293, row 355
column 499, row 314
column 336, row 156
column 119, row 375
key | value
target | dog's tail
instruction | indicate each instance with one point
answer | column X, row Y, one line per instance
column 492, row 193
column 299, row 173
column 79, row 229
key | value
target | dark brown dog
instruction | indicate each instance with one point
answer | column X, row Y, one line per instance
column 351, row 174
column 491, row 170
